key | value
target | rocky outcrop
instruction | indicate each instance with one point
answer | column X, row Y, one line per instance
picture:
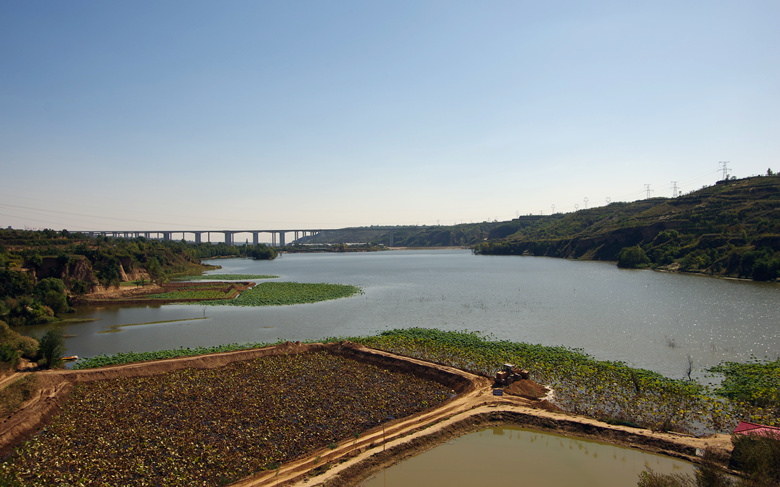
column 71, row 269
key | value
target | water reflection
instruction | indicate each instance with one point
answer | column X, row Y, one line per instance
column 511, row 456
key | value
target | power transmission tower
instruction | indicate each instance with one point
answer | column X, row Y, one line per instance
column 553, row 209
column 609, row 200
column 586, row 202
column 675, row 194
column 725, row 165
column 647, row 188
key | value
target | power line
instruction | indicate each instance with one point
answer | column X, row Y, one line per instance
column 725, row 165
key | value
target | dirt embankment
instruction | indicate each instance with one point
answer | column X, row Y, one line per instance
column 142, row 294
column 475, row 407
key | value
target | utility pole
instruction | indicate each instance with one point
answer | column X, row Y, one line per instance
column 675, row 194
column 725, row 165
column 647, row 188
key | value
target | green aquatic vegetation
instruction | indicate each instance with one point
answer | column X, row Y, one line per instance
column 214, row 426
column 130, row 357
column 227, row 277
column 583, row 385
column 189, row 294
column 285, row 293
column 756, row 382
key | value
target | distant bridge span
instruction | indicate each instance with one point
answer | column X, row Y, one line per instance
column 277, row 236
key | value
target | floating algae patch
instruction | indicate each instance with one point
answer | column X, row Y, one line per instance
column 118, row 328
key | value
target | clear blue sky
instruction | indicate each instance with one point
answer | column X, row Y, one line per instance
column 143, row 115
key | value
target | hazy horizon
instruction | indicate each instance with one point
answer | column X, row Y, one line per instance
column 252, row 115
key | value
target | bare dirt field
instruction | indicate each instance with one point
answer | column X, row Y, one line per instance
column 352, row 459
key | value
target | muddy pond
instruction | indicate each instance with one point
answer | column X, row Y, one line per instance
column 511, row 456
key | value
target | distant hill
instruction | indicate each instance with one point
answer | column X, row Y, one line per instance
column 729, row 229
column 464, row 235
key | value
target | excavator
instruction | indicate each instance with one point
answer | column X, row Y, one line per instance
column 510, row 373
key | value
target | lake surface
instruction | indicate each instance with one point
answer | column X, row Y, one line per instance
column 510, row 456
column 648, row 319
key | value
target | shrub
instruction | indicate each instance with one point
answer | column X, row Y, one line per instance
column 758, row 457
column 27, row 346
column 632, row 258
column 9, row 356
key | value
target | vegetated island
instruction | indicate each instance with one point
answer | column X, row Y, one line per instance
column 337, row 410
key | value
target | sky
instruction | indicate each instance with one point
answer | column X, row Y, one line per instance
column 173, row 115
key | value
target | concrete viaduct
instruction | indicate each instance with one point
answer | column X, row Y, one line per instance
column 277, row 236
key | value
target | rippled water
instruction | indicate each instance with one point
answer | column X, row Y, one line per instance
column 649, row 319
column 513, row 457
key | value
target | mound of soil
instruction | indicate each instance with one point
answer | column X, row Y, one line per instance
column 526, row 388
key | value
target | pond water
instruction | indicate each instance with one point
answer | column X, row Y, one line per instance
column 511, row 456
column 648, row 319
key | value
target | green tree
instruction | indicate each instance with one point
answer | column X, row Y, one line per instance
column 51, row 348
column 632, row 258
column 110, row 274
column 155, row 271
column 14, row 284
column 46, row 285
column 13, row 346
column 51, row 292
column 263, row 252
column 34, row 260
column 57, row 301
